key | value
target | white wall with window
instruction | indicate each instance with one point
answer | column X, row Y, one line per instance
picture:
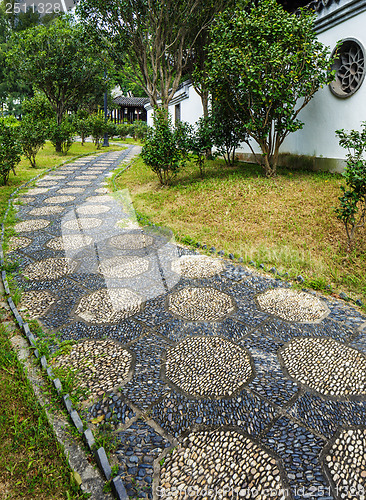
column 336, row 20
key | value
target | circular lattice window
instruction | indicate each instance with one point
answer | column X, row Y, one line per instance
column 350, row 68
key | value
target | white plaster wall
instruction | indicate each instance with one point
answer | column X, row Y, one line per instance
column 149, row 110
column 322, row 116
column 326, row 113
column 190, row 109
column 190, row 106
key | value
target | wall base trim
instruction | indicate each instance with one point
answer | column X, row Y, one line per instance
column 297, row 162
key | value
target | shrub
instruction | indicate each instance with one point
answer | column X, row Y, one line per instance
column 38, row 107
column 99, row 127
column 10, row 149
column 32, row 137
column 227, row 131
column 201, row 143
column 140, row 129
column 61, row 136
column 111, row 128
column 33, row 130
column 123, row 130
column 165, row 150
column 352, row 211
column 81, row 124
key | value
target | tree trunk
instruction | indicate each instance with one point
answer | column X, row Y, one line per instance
column 58, row 144
column 204, row 99
column 269, row 166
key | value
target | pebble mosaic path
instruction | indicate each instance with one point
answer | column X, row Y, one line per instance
column 217, row 382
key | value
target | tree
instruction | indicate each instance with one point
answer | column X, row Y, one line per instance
column 352, row 211
column 200, row 41
column 227, row 131
column 15, row 17
column 154, row 37
column 59, row 60
column 201, row 142
column 98, row 127
column 10, row 149
column 33, row 130
column 166, row 148
column 267, row 64
column 32, row 137
column 81, row 124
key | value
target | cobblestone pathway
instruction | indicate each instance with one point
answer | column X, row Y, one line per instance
column 214, row 379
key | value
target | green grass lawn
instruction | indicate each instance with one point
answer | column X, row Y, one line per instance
column 32, row 463
column 287, row 222
column 46, row 158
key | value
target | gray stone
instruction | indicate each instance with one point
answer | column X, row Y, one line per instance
column 102, row 460
column 77, row 421
column 119, row 489
column 89, row 439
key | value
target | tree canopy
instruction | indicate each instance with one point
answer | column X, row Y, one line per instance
column 59, row 60
column 154, row 38
column 267, row 64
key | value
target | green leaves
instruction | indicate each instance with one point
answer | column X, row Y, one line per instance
column 352, row 211
column 59, row 60
column 266, row 64
column 10, row 149
column 166, row 148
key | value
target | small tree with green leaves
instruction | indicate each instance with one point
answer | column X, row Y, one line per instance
column 227, row 131
column 201, row 142
column 32, row 137
column 98, row 126
column 81, row 124
column 166, row 147
column 123, row 130
column 267, row 64
column 61, row 135
column 10, row 148
column 34, row 127
column 352, row 211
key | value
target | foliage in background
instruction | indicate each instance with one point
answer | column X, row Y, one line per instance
column 166, row 147
column 266, row 64
column 352, row 211
column 154, row 36
column 81, row 124
column 61, row 135
column 10, row 148
column 227, row 131
column 201, row 143
column 61, row 61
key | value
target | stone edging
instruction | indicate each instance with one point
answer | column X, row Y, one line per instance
column 99, row 454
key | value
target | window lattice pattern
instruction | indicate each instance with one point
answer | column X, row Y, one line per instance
column 350, row 68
